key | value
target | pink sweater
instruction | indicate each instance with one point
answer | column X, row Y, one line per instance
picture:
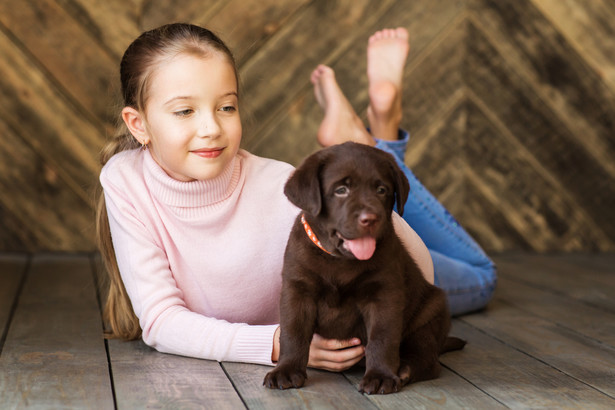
column 201, row 261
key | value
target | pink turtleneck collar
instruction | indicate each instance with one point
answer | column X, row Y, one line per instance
column 191, row 194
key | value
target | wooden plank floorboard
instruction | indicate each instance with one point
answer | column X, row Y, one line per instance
column 322, row 390
column 536, row 345
column 515, row 378
column 447, row 391
column 596, row 287
column 561, row 310
column 145, row 378
column 602, row 265
column 54, row 354
column 11, row 275
column 595, row 273
column 582, row 358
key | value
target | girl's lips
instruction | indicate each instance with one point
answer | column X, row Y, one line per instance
column 208, row 153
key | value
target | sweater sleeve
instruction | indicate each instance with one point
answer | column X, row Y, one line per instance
column 168, row 325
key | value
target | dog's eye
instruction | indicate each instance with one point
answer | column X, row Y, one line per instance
column 341, row 191
column 381, row 190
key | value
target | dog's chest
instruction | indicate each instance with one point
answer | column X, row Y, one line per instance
column 339, row 309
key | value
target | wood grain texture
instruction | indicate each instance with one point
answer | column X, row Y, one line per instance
column 587, row 320
column 12, row 271
column 585, row 25
column 515, row 378
column 54, row 354
column 65, row 50
column 447, row 391
column 595, row 290
column 322, row 390
column 511, row 105
column 539, row 344
column 579, row 357
column 145, row 378
column 275, row 85
column 38, row 200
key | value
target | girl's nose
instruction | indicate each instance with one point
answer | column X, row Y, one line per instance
column 209, row 127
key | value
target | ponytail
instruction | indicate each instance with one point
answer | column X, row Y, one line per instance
column 118, row 315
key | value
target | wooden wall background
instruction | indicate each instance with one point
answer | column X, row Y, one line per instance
column 511, row 104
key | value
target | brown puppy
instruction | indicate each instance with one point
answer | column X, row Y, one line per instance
column 346, row 274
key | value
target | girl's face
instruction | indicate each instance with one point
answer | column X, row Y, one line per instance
column 192, row 116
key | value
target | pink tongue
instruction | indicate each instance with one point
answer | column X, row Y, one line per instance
column 362, row 248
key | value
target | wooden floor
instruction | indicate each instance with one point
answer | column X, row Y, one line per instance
column 547, row 340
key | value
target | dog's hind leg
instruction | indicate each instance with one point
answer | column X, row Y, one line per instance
column 404, row 373
column 419, row 356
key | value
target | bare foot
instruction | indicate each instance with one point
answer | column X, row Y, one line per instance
column 387, row 51
column 341, row 123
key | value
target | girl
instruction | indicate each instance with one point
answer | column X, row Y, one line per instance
column 191, row 228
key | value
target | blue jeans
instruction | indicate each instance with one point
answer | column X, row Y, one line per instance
column 462, row 269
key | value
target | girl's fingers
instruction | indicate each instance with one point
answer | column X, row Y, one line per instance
column 333, row 344
column 335, row 355
column 339, row 361
column 342, row 356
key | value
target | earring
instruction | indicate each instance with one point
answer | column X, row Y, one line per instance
column 143, row 146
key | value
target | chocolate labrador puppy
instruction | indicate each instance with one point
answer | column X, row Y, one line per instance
column 346, row 274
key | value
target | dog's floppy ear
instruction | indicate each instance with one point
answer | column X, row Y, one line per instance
column 303, row 186
column 402, row 187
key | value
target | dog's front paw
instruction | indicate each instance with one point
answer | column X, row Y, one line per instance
column 376, row 382
column 285, row 378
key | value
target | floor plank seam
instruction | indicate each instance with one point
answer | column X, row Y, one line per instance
column 97, row 284
column 22, row 281
column 576, row 332
column 558, row 324
column 230, row 379
column 368, row 396
column 96, row 278
column 558, row 293
column 473, row 384
column 111, row 380
column 539, row 360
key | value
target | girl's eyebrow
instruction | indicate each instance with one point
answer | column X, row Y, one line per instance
column 233, row 93
column 179, row 97
column 185, row 97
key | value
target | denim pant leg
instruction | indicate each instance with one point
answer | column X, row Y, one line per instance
column 462, row 269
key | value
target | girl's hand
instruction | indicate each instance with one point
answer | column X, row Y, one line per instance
column 335, row 355
column 328, row 354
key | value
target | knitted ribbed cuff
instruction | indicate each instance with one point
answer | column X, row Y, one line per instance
column 254, row 344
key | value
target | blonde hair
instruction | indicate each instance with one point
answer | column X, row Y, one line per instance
column 138, row 63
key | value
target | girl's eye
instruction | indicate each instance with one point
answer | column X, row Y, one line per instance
column 228, row 108
column 342, row 191
column 381, row 190
column 183, row 113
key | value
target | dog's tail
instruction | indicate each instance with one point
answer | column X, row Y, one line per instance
column 452, row 343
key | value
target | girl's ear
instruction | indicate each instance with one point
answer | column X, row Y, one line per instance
column 136, row 124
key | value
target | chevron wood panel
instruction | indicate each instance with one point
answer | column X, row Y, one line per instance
column 511, row 105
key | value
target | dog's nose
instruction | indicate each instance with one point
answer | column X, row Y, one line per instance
column 367, row 219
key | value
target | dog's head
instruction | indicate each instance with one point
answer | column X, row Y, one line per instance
column 349, row 190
